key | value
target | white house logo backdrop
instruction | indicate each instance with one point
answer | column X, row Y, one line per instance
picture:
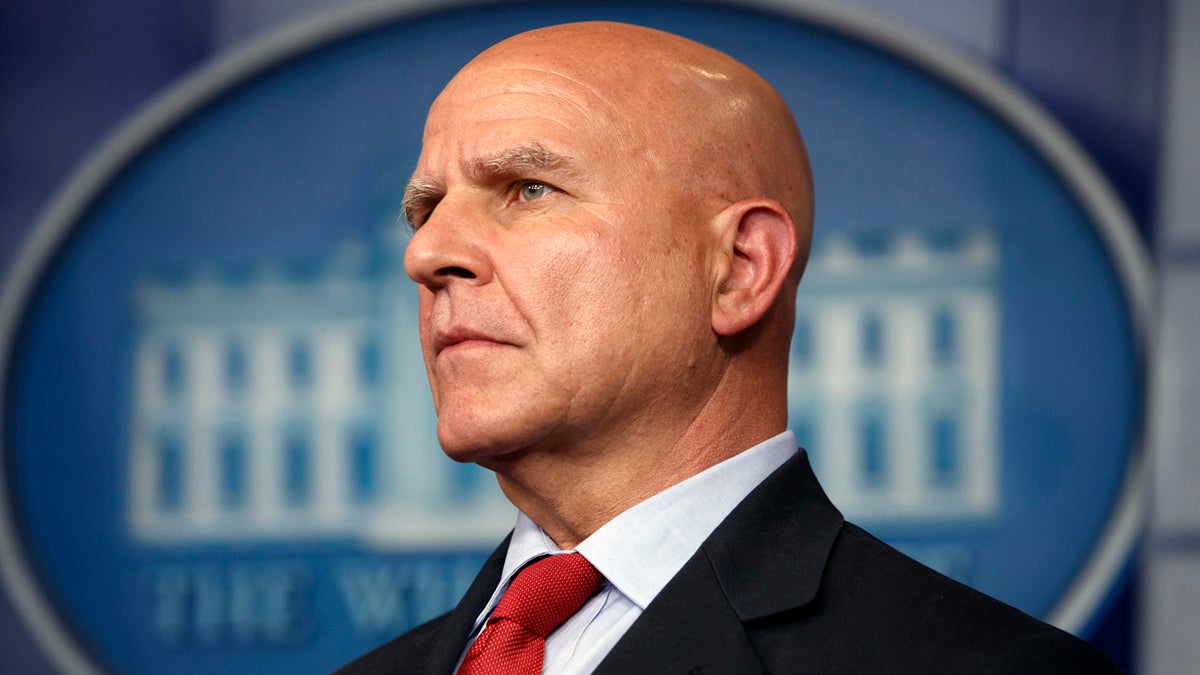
column 219, row 448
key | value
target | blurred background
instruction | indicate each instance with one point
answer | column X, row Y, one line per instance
column 1123, row 77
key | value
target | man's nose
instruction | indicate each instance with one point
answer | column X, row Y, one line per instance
column 446, row 248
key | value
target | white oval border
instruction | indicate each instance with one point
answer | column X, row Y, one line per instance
column 978, row 81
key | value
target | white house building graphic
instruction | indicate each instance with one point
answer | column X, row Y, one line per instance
column 893, row 381
column 290, row 402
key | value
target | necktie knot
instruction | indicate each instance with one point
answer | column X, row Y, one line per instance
column 541, row 597
column 548, row 592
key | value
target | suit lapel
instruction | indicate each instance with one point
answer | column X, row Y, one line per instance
column 689, row 628
column 765, row 558
column 770, row 553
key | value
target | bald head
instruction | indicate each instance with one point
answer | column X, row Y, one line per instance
column 704, row 122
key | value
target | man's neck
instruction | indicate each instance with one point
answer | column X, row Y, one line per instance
column 571, row 495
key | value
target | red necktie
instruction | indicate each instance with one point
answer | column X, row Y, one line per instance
column 542, row 596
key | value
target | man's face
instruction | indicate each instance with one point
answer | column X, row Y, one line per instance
column 564, row 302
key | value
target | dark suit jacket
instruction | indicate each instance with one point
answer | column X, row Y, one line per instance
column 784, row 585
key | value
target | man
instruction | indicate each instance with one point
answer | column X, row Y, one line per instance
column 610, row 223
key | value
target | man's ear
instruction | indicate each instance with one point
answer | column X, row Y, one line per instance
column 757, row 242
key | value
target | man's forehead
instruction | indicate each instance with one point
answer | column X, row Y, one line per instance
column 560, row 73
column 516, row 90
column 519, row 118
column 475, row 143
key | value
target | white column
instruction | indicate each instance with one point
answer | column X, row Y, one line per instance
column 268, row 353
column 907, row 344
column 979, row 344
column 836, row 327
column 416, row 471
column 335, row 400
column 144, row 462
column 201, row 478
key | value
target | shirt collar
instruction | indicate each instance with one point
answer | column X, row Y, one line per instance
column 641, row 549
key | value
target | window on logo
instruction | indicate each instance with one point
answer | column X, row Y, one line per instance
column 873, row 244
column 235, row 367
column 872, row 436
column 871, row 340
column 233, row 469
column 363, row 460
column 173, row 376
column 947, row 451
column 170, row 472
column 802, row 342
column 803, row 425
column 944, row 337
column 297, row 466
column 368, row 362
column 299, row 364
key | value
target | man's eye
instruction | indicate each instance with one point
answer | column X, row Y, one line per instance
column 531, row 191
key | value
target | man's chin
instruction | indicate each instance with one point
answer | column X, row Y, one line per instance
column 475, row 448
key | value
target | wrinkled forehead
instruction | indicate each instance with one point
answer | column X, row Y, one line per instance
column 517, row 89
column 560, row 83
column 495, row 105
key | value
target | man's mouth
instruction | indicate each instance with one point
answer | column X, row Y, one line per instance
column 461, row 338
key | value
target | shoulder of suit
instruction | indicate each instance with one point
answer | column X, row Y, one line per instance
column 882, row 605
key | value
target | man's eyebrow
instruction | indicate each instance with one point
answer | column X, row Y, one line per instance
column 522, row 160
column 420, row 196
